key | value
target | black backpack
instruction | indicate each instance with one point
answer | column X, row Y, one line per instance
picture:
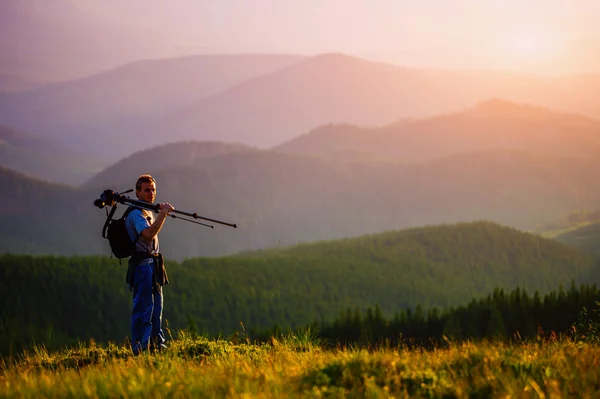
column 116, row 233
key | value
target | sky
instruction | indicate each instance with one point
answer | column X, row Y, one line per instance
column 542, row 36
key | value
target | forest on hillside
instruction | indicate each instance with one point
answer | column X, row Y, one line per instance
column 507, row 315
column 56, row 300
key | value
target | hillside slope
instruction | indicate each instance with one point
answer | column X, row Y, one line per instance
column 156, row 102
column 334, row 88
column 491, row 125
column 44, row 158
column 168, row 156
column 432, row 266
column 280, row 199
column 586, row 238
column 41, row 217
column 99, row 114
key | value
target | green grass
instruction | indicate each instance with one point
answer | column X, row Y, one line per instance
column 296, row 366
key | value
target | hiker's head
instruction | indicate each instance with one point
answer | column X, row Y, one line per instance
column 145, row 188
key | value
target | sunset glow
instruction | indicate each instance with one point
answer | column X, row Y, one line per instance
column 528, row 44
column 536, row 36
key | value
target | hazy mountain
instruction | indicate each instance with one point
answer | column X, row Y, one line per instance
column 13, row 83
column 167, row 156
column 280, row 199
column 570, row 93
column 328, row 88
column 332, row 88
column 44, row 158
column 101, row 110
column 493, row 124
column 487, row 171
column 114, row 112
column 55, row 40
column 40, row 217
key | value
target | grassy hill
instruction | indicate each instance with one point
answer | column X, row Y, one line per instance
column 295, row 367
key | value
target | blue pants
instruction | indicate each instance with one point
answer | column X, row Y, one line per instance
column 146, row 315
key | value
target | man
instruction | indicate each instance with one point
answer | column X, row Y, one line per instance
column 146, row 273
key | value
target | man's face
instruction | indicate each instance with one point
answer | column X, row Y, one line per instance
column 147, row 192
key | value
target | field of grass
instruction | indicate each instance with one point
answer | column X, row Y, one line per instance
column 297, row 366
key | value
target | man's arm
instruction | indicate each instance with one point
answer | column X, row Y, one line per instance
column 151, row 231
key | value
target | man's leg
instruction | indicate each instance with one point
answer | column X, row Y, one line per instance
column 158, row 337
column 141, row 315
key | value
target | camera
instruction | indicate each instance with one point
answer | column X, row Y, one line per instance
column 108, row 197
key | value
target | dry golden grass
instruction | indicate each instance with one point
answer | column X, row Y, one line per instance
column 297, row 367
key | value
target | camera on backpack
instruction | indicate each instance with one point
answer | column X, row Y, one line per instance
column 108, row 197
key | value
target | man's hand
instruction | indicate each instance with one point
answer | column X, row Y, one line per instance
column 151, row 232
column 165, row 208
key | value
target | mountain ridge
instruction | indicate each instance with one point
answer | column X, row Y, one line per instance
column 489, row 125
column 280, row 199
column 111, row 103
column 168, row 155
column 271, row 108
column 43, row 157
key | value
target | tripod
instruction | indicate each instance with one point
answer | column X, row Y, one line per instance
column 111, row 198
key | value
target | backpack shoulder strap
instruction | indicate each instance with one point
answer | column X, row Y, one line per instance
column 127, row 212
column 108, row 219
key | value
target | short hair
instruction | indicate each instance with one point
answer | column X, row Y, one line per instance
column 143, row 179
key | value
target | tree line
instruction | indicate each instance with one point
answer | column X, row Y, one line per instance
column 512, row 315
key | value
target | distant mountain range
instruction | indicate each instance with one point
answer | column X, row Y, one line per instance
column 169, row 156
column 99, row 115
column 44, row 158
column 279, row 198
column 292, row 149
column 265, row 100
column 492, row 124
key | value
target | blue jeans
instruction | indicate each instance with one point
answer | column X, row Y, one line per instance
column 146, row 315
